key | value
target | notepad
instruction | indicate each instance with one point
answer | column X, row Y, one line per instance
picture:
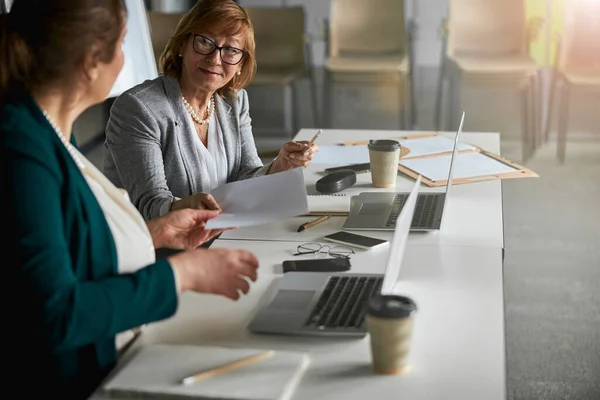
column 156, row 372
column 325, row 204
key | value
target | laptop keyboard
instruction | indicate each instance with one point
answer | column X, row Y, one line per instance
column 342, row 302
column 424, row 214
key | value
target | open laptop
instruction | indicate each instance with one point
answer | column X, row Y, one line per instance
column 379, row 210
column 332, row 304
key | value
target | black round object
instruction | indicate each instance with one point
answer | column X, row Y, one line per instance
column 391, row 306
column 336, row 181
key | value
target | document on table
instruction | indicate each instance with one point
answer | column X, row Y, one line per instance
column 338, row 154
column 430, row 145
column 260, row 200
column 467, row 165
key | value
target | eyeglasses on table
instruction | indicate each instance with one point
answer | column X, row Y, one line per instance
column 318, row 248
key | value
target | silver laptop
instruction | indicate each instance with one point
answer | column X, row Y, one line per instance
column 332, row 304
column 379, row 210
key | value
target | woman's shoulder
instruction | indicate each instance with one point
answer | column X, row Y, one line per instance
column 236, row 100
column 151, row 94
column 21, row 122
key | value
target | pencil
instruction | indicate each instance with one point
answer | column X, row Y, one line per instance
column 227, row 367
column 313, row 223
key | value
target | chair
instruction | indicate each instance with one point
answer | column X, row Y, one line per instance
column 486, row 45
column 162, row 26
column 370, row 42
column 576, row 66
column 283, row 57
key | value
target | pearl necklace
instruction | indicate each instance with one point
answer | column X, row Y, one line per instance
column 210, row 109
column 62, row 138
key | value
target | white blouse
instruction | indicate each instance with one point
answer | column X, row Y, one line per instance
column 213, row 160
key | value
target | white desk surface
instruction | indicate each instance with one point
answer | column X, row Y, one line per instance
column 458, row 348
column 473, row 217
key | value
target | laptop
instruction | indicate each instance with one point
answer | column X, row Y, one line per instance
column 332, row 304
column 379, row 210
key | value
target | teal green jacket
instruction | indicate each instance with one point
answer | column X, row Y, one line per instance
column 68, row 301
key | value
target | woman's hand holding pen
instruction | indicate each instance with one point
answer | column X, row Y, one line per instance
column 293, row 155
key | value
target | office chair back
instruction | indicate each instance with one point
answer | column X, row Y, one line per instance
column 494, row 27
column 580, row 46
column 279, row 36
column 359, row 27
column 162, row 26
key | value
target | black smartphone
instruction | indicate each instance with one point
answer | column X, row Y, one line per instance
column 354, row 240
column 336, row 264
column 358, row 168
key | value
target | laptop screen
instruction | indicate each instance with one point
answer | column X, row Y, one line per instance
column 398, row 244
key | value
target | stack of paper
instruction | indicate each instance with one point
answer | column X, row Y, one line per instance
column 157, row 371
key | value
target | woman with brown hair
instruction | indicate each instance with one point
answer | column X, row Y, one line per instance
column 79, row 256
column 172, row 139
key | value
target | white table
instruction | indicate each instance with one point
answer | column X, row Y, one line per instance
column 473, row 216
column 458, row 348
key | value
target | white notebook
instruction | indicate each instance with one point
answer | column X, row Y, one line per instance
column 156, row 371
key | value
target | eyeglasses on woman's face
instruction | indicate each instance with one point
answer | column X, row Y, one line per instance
column 229, row 55
column 317, row 248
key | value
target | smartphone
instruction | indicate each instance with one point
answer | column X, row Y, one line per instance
column 336, row 264
column 354, row 240
column 358, row 168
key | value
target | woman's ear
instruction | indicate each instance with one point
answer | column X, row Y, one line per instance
column 90, row 64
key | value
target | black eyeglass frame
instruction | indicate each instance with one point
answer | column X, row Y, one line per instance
column 244, row 52
column 302, row 252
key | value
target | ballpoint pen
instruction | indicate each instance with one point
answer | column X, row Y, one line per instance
column 313, row 223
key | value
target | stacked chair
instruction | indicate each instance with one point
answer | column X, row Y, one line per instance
column 370, row 42
column 576, row 66
column 486, row 46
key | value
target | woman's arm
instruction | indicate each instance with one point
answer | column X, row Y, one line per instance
column 250, row 163
column 133, row 146
column 71, row 297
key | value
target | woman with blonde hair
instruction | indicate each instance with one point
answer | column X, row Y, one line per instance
column 171, row 140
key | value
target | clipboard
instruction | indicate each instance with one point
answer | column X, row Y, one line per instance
column 487, row 166
column 517, row 171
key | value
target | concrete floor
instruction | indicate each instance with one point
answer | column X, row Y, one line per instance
column 552, row 227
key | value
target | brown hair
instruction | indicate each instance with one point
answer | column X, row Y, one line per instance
column 225, row 15
column 45, row 42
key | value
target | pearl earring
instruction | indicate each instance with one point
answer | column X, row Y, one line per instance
column 180, row 55
column 238, row 73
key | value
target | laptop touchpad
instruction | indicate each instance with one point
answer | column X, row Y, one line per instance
column 292, row 299
column 372, row 209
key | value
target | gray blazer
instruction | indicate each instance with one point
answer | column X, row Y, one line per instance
column 150, row 144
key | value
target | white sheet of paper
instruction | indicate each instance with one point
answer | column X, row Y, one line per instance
column 260, row 200
column 340, row 155
column 467, row 165
column 432, row 145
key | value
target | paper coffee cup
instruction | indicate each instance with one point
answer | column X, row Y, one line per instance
column 390, row 320
column 383, row 157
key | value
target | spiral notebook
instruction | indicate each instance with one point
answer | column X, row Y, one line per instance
column 329, row 204
column 156, row 372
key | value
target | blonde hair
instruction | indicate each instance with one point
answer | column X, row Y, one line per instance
column 222, row 15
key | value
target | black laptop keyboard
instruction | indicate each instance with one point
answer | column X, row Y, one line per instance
column 424, row 214
column 342, row 302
